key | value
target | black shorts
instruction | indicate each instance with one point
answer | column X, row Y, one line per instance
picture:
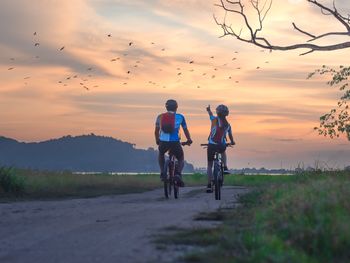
column 175, row 148
column 215, row 148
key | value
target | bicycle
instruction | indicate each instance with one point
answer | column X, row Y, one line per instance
column 218, row 173
column 171, row 169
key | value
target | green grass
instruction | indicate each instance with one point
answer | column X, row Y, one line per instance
column 32, row 184
column 303, row 218
column 29, row 184
column 10, row 182
column 53, row 185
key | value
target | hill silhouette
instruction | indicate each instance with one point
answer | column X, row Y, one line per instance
column 85, row 153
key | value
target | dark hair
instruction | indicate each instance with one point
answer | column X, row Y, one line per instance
column 171, row 105
column 223, row 120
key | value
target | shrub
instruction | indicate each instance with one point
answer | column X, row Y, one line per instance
column 10, row 182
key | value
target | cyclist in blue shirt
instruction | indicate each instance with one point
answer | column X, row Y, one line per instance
column 167, row 137
column 220, row 128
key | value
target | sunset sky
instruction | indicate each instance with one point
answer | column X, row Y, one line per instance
column 273, row 109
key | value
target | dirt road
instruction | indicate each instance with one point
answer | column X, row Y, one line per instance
column 105, row 229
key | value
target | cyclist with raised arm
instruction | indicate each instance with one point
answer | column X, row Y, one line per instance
column 167, row 137
column 220, row 128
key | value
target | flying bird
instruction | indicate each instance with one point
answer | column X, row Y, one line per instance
column 204, row 74
column 12, row 59
column 128, row 72
column 234, row 58
column 37, row 44
column 89, row 69
column 130, row 43
column 179, row 73
column 238, row 68
column 191, row 62
column 10, row 68
column 114, row 59
column 152, row 43
column 27, row 78
column 257, row 67
column 62, row 48
column 34, row 33
column 86, row 88
column 212, row 57
column 109, row 35
column 75, row 76
column 198, row 87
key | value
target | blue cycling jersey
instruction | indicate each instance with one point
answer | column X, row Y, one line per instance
column 174, row 136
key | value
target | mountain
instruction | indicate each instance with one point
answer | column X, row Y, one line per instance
column 86, row 153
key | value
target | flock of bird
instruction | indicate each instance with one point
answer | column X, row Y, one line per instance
column 180, row 71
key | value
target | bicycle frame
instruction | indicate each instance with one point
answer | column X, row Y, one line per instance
column 170, row 183
column 218, row 173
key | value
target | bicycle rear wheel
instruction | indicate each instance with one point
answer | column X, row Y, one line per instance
column 166, row 193
column 176, row 190
column 167, row 183
column 217, row 188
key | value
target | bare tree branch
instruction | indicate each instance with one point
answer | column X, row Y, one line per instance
column 262, row 7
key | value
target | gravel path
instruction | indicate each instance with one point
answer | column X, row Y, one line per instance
column 105, row 229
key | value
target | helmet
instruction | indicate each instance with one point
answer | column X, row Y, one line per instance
column 222, row 110
column 171, row 105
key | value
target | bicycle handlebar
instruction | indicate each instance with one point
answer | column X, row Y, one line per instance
column 206, row 144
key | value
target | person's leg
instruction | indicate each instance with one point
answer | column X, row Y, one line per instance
column 222, row 150
column 179, row 154
column 163, row 148
column 224, row 158
column 210, row 171
column 177, row 150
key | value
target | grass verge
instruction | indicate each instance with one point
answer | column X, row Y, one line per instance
column 304, row 218
column 54, row 185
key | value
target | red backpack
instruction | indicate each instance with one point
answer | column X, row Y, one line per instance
column 167, row 122
column 219, row 133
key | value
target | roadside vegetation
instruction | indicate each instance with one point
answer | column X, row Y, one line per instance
column 24, row 184
column 299, row 218
column 16, row 184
